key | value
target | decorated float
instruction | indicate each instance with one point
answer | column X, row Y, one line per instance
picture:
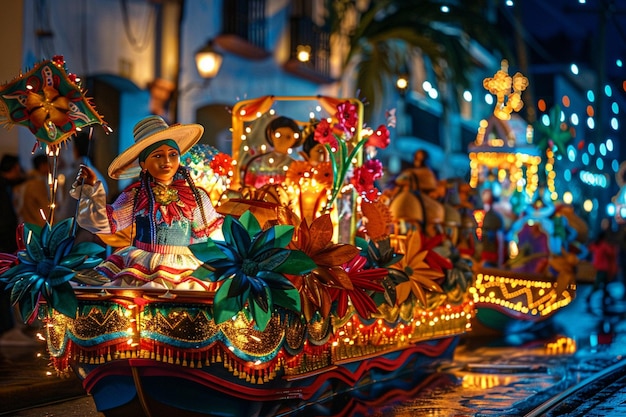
column 310, row 293
column 530, row 244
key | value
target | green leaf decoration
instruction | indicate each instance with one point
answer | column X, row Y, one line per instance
column 225, row 307
column 250, row 223
column 263, row 241
column 282, row 235
column 203, row 273
column 34, row 248
column 236, row 235
column 87, row 248
column 45, row 267
column 64, row 300
column 259, row 309
column 54, row 237
column 207, row 252
column 238, row 286
column 28, row 307
column 272, row 259
column 297, row 263
column 250, row 263
column 289, row 299
column 362, row 244
column 60, row 275
column 72, row 261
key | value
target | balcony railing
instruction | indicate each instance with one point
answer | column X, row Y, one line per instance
column 244, row 30
column 305, row 34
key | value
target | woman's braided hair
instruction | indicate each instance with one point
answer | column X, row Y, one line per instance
column 146, row 179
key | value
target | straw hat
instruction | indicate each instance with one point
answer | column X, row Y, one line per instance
column 148, row 131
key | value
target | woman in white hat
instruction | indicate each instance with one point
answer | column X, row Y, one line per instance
column 167, row 210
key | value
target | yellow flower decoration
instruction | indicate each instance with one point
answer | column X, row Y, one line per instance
column 323, row 173
column 421, row 275
column 51, row 106
column 298, row 170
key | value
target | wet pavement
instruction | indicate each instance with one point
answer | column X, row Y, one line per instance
column 511, row 376
column 489, row 376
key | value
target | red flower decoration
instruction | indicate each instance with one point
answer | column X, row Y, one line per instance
column 375, row 167
column 7, row 261
column 363, row 182
column 221, row 164
column 347, row 116
column 324, row 134
column 380, row 137
column 363, row 281
column 433, row 258
column 58, row 60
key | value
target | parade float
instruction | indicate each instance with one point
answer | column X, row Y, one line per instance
column 311, row 293
column 530, row 244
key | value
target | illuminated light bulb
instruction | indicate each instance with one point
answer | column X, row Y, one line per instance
column 303, row 53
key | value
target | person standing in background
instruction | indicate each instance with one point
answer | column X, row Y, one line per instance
column 604, row 260
column 11, row 175
column 31, row 198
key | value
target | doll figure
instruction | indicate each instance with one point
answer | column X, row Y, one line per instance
column 282, row 134
column 164, row 207
column 313, row 152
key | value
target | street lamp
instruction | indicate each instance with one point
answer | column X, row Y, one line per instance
column 402, row 83
column 208, row 61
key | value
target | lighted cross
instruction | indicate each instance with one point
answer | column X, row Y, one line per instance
column 508, row 91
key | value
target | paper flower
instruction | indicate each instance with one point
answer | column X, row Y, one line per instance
column 363, row 182
column 298, row 170
column 381, row 254
column 46, row 264
column 364, row 282
column 316, row 241
column 324, row 134
column 380, row 137
column 51, row 107
column 347, row 117
column 341, row 156
column 422, row 266
column 323, row 173
column 250, row 264
column 222, row 164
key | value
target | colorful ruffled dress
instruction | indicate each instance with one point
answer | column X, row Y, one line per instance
column 159, row 255
column 267, row 168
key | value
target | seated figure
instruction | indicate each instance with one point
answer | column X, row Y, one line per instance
column 282, row 134
column 164, row 207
